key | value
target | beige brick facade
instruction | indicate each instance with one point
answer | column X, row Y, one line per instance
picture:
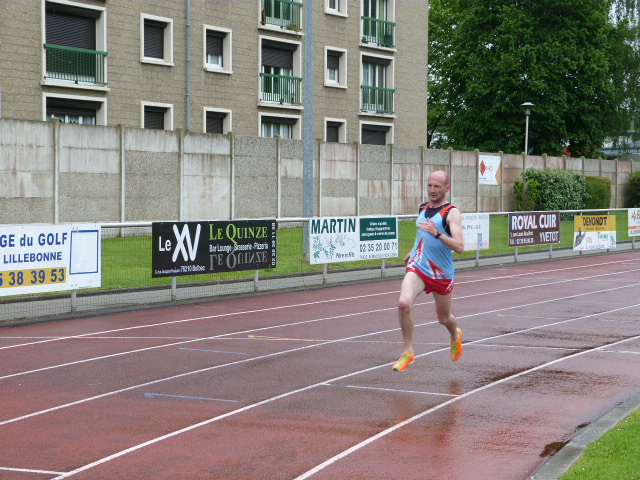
column 132, row 81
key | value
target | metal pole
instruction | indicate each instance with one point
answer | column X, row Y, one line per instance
column 526, row 135
column 308, row 135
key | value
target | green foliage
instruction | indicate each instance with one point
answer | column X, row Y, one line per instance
column 634, row 190
column 573, row 59
column 528, row 196
column 598, row 192
column 553, row 190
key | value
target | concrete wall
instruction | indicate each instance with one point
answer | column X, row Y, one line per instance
column 52, row 172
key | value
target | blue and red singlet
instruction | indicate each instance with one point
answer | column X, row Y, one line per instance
column 430, row 258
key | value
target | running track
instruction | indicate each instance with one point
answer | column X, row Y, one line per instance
column 299, row 385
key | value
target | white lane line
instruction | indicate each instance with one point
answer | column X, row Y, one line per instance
column 356, row 297
column 392, row 390
column 484, row 294
column 29, row 470
column 392, row 429
column 309, row 387
column 133, row 387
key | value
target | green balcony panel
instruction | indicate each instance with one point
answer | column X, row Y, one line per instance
column 378, row 32
column 76, row 64
column 378, row 99
column 282, row 13
column 280, row 89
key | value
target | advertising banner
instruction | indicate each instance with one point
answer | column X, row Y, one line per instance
column 594, row 232
column 634, row 222
column 49, row 258
column 191, row 248
column 534, row 228
column 351, row 239
column 475, row 227
column 490, row 170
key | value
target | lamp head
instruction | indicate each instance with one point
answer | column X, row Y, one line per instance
column 527, row 108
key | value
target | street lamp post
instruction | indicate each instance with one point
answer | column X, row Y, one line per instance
column 527, row 111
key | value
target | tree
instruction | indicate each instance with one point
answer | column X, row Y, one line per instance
column 487, row 57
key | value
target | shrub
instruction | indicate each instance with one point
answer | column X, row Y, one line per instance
column 551, row 190
column 634, row 190
column 598, row 192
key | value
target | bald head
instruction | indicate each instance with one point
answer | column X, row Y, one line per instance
column 440, row 176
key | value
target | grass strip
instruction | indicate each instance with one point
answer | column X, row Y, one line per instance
column 614, row 456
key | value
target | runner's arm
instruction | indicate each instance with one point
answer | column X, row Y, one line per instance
column 456, row 241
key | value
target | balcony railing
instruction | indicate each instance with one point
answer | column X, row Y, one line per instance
column 378, row 32
column 76, row 64
column 282, row 13
column 377, row 99
column 280, row 89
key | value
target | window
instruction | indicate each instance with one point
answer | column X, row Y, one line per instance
column 286, row 127
column 157, row 40
column 217, row 120
column 81, row 110
column 377, row 25
column 377, row 85
column 376, row 134
column 157, row 116
column 336, row 67
column 280, row 61
column 336, row 7
column 335, row 130
column 217, row 49
column 75, row 44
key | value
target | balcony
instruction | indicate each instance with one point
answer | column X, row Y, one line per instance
column 76, row 65
column 378, row 32
column 280, row 89
column 378, row 100
column 285, row 14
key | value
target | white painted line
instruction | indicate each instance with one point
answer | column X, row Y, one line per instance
column 133, row 387
column 484, row 294
column 28, row 470
column 392, row 390
column 309, row 387
column 397, row 426
column 349, row 299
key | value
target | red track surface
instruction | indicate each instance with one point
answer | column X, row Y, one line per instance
column 299, row 385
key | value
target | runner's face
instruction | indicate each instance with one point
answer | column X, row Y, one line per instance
column 437, row 189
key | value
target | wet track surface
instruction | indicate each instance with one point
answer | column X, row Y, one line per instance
column 299, row 385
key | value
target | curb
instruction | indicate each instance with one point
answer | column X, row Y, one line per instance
column 561, row 461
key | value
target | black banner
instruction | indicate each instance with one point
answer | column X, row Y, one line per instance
column 191, row 248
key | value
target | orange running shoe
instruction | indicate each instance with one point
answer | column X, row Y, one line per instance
column 456, row 347
column 405, row 360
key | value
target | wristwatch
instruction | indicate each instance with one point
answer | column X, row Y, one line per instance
column 438, row 235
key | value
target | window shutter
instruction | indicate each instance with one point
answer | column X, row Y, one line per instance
column 377, row 60
column 273, row 57
column 214, row 42
column 69, row 29
column 333, row 131
column 333, row 59
column 154, row 39
column 215, row 122
column 154, row 117
column 374, row 135
column 280, row 120
column 69, row 106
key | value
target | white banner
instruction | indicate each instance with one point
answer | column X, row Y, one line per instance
column 351, row 239
column 475, row 227
column 489, row 170
column 49, row 258
column 634, row 222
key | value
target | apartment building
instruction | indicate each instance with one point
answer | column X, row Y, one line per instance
column 220, row 65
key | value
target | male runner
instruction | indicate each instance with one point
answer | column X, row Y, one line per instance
column 430, row 266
